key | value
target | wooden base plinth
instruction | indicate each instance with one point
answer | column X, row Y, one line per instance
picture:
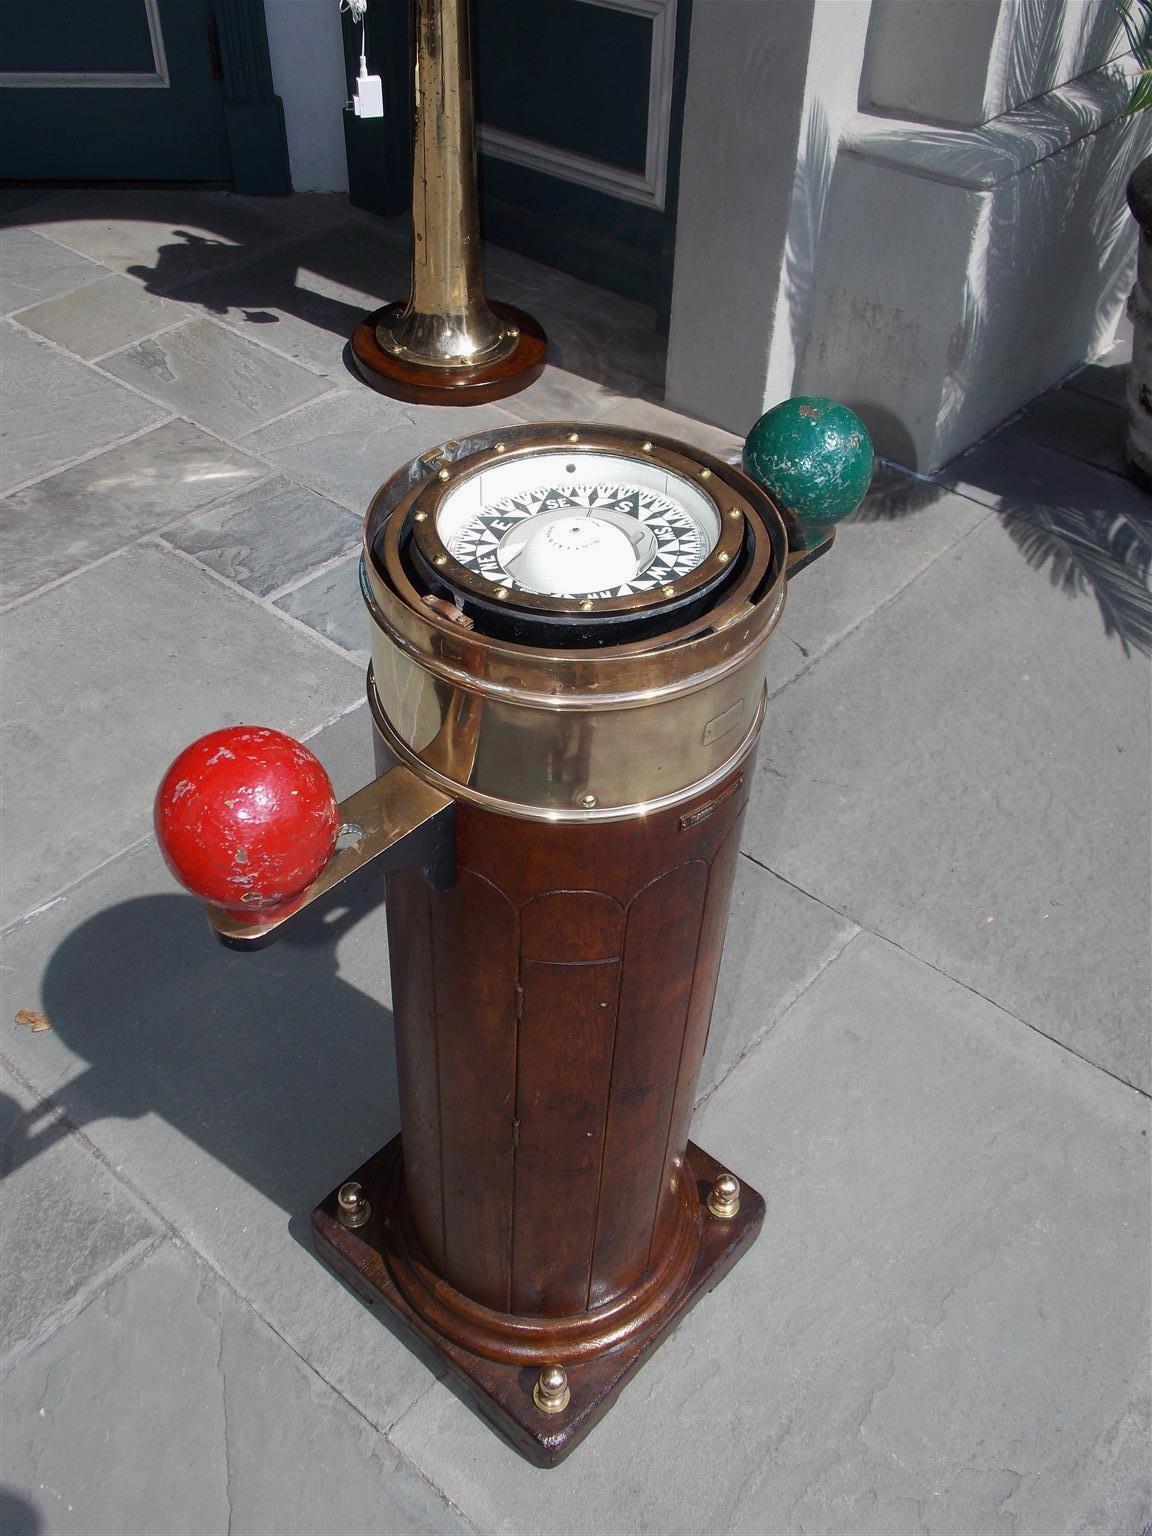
column 503, row 1390
column 420, row 384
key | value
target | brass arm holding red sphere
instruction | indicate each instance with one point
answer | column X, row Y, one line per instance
column 247, row 821
column 398, row 820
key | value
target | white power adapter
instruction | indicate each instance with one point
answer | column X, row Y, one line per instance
column 368, row 97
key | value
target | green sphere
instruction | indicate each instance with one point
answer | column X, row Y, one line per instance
column 814, row 458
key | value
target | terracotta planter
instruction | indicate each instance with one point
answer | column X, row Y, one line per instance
column 1140, row 309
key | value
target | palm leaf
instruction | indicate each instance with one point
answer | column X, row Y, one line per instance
column 1137, row 19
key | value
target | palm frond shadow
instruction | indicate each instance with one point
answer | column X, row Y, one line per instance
column 1034, row 49
column 1105, row 554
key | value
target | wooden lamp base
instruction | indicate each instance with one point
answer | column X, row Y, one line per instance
column 422, row 384
column 373, row 1260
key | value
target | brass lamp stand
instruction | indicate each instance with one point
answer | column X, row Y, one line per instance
column 447, row 345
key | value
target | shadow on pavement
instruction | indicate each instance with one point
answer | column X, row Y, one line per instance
column 1084, row 550
column 17, row 1516
column 270, row 1062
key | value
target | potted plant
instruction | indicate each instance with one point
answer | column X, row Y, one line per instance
column 1137, row 17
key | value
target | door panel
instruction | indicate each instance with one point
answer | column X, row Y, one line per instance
column 121, row 90
column 579, row 105
column 79, row 39
column 545, row 81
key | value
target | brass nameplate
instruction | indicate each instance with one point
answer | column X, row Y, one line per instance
column 723, row 723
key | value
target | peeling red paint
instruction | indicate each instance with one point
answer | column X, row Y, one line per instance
column 246, row 815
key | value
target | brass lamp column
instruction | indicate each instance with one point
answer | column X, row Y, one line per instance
column 448, row 345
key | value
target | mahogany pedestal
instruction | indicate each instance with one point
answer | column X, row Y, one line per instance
column 551, row 1012
column 425, row 384
column 502, row 1391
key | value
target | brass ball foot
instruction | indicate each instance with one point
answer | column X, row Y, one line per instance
column 551, row 1393
column 352, row 1207
column 724, row 1197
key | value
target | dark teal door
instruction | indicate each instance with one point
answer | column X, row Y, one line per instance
column 139, row 90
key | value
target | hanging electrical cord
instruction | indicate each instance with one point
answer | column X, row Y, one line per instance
column 356, row 9
column 368, row 91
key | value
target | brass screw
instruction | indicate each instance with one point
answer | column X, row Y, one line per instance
column 500, row 448
column 589, row 802
column 573, row 437
column 668, row 591
column 724, row 1196
column 551, row 1393
column 647, row 447
column 587, row 605
column 705, row 474
column 723, row 557
column 501, row 594
column 352, row 1208
column 420, row 517
column 734, row 512
column 444, row 474
column 440, row 560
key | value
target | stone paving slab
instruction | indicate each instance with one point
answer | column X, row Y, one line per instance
column 1090, row 532
column 56, row 410
column 331, row 603
column 168, row 1406
column 270, row 536
column 309, row 213
column 67, row 520
column 646, row 416
column 970, row 778
column 32, row 268
column 778, row 941
column 904, row 525
column 347, row 444
column 69, row 1225
column 107, row 676
column 1019, row 474
column 936, row 1333
column 14, row 200
column 222, row 381
column 1106, row 378
column 102, row 316
column 1086, row 428
column 560, row 396
column 599, row 335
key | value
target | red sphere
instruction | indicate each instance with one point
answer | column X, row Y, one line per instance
column 246, row 818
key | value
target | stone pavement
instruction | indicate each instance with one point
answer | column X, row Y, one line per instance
column 930, row 1048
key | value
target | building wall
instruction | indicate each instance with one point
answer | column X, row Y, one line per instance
column 935, row 272
column 304, row 42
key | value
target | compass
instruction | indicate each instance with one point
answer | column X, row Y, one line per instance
column 601, row 527
column 570, row 630
column 575, row 537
